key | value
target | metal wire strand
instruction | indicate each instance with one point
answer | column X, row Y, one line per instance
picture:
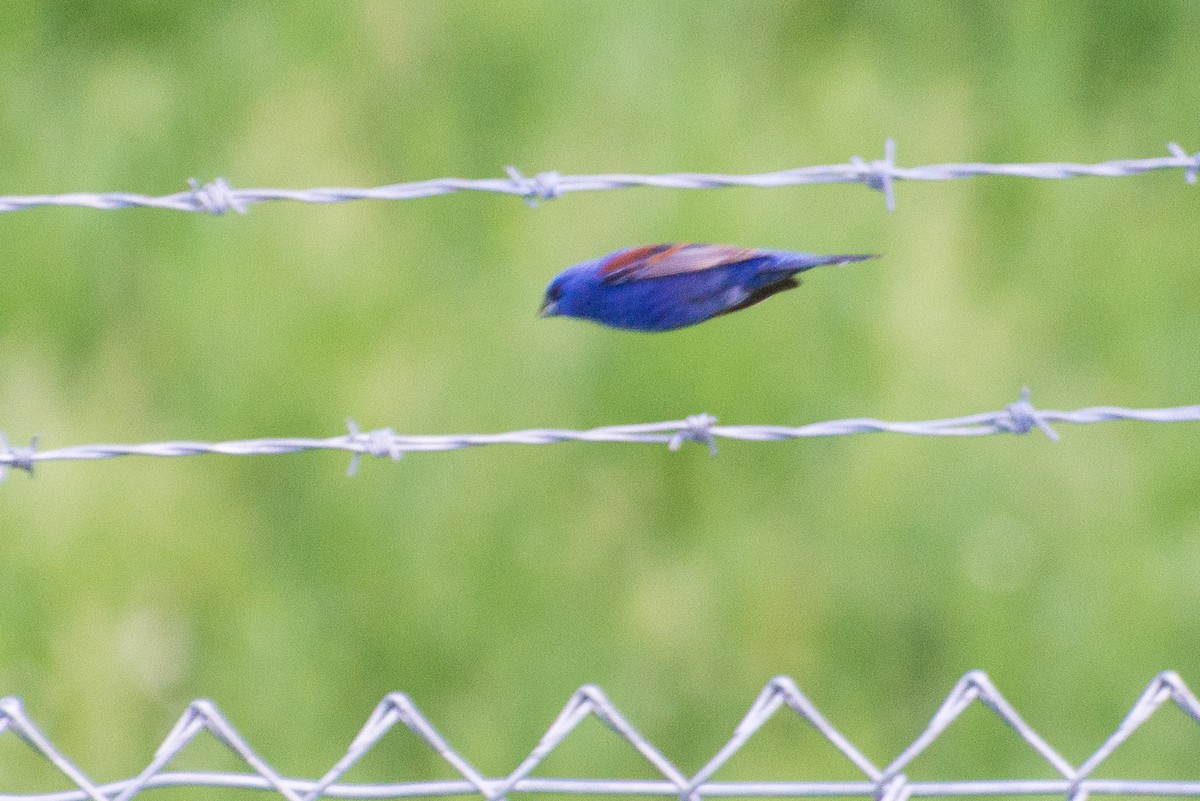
column 1019, row 417
column 218, row 197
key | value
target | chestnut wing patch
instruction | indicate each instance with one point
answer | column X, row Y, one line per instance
column 660, row 261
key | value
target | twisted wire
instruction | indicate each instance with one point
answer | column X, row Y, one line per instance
column 218, row 197
column 397, row 711
column 1019, row 417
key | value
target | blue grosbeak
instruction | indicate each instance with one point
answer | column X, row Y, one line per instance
column 662, row 287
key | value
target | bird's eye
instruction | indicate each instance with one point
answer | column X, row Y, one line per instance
column 554, row 293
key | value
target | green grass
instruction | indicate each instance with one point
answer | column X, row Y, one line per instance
column 489, row 584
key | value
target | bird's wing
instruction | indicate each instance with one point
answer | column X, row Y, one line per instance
column 659, row 261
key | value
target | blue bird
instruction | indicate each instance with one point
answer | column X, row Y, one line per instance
column 663, row 287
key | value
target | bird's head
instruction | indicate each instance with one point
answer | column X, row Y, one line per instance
column 568, row 291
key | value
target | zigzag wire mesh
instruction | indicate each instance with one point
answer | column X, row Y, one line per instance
column 218, row 197
column 887, row 783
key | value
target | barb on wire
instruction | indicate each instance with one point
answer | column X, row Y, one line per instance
column 1019, row 417
column 881, row 784
column 218, row 197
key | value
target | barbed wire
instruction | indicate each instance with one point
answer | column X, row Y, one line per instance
column 218, row 197
column 1019, row 417
column 887, row 783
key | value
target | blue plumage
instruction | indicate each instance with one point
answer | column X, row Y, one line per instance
column 663, row 287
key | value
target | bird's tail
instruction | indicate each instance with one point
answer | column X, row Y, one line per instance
column 799, row 262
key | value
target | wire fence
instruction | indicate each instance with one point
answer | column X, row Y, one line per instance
column 218, row 197
column 1019, row 417
column 887, row 783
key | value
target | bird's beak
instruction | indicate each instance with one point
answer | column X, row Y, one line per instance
column 549, row 309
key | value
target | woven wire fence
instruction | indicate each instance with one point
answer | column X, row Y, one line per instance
column 218, row 197
column 1019, row 417
column 887, row 783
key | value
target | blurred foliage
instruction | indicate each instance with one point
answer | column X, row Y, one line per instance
column 489, row 584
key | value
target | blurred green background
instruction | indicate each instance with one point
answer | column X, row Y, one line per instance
column 489, row 584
